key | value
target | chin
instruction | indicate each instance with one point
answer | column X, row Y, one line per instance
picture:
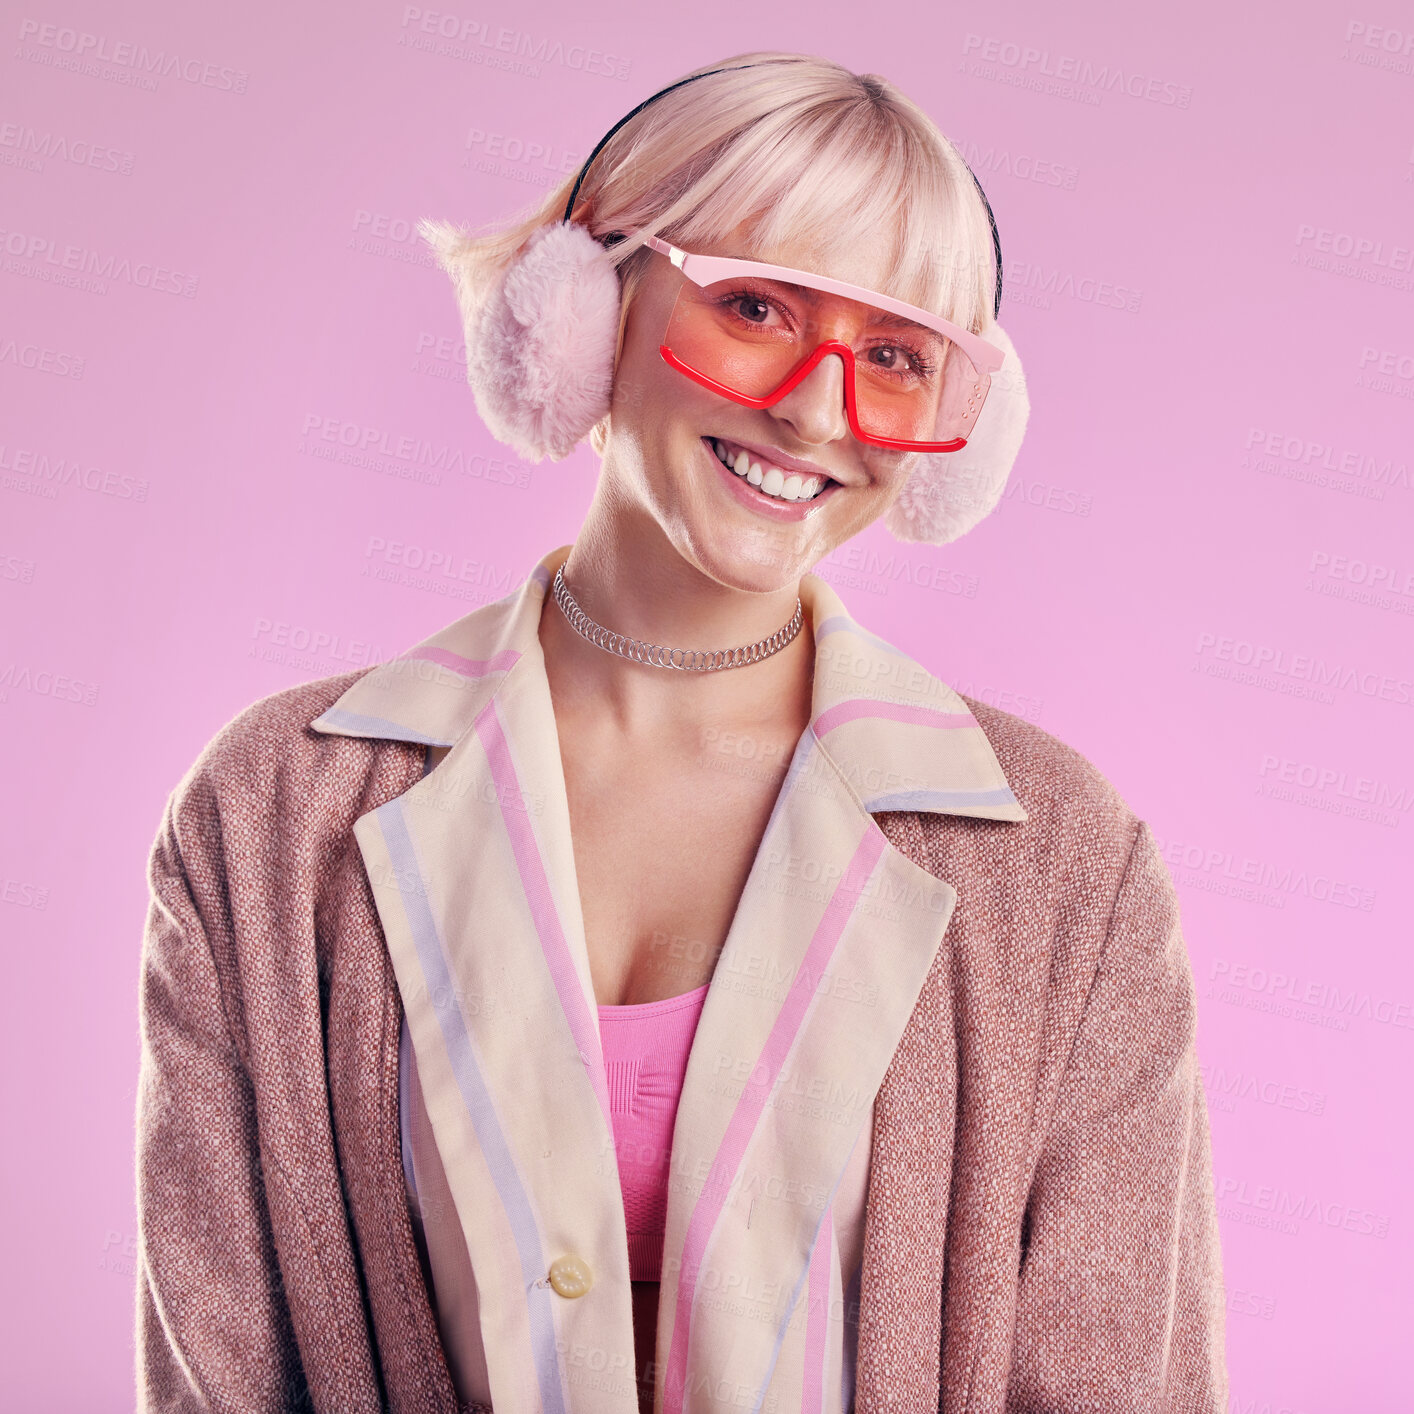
column 753, row 561
column 739, row 548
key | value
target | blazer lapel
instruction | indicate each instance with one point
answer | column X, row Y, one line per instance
column 817, row 989
column 820, row 981
column 473, row 874
column 363, row 1023
column 835, row 933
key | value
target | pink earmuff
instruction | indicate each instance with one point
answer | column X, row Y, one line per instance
column 540, row 340
column 540, row 344
column 947, row 493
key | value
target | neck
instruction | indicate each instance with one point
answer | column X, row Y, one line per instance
column 642, row 587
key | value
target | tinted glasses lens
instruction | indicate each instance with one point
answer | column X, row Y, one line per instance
column 911, row 383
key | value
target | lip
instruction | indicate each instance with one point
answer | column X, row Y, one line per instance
column 770, row 506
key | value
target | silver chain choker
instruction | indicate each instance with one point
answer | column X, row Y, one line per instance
column 689, row 660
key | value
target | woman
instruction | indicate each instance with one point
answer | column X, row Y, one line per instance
column 654, row 990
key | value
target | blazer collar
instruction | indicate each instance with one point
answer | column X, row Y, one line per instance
column 902, row 739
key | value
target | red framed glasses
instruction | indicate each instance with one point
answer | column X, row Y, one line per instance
column 752, row 332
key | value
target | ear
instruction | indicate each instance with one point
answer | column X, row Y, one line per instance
column 948, row 493
column 599, row 435
column 540, row 338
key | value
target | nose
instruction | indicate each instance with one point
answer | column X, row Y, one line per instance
column 814, row 408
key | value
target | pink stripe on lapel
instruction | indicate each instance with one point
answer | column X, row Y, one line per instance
column 752, row 1102
column 466, row 667
column 543, row 912
column 857, row 707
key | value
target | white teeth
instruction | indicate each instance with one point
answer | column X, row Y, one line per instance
column 770, row 479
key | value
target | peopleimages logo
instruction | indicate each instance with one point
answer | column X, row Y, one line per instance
column 55, row 472
column 1309, row 775
column 477, row 42
column 1224, row 1087
column 1328, row 242
column 41, row 682
column 40, row 359
column 1312, row 1000
column 39, row 256
column 1025, row 167
column 61, row 46
column 1379, row 47
column 1272, row 1205
column 21, row 145
column 1270, row 662
column 1310, row 451
column 403, row 455
column 1284, row 880
column 1030, row 66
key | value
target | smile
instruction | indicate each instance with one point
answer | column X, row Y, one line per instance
column 768, row 479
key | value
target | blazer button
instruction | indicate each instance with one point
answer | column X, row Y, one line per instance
column 570, row 1276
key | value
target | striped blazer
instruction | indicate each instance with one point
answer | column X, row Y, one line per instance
column 973, row 978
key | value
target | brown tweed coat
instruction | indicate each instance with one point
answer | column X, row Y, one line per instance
column 1041, row 1229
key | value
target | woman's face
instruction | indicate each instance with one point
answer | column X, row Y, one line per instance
column 664, row 432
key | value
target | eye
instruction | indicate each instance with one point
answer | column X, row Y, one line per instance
column 891, row 357
column 751, row 308
column 900, row 362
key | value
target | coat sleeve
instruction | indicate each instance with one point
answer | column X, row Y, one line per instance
column 213, row 1331
column 1120, row 1295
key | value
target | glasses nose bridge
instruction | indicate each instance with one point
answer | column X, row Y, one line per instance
column 819, row 357
column 819, row 394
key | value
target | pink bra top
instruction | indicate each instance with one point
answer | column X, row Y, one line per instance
column 645, row 1059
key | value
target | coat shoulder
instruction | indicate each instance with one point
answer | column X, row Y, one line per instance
column 1070, row 803
column 1040, row 767
column 1058, row 873
column 274, row 731
column 268, row 758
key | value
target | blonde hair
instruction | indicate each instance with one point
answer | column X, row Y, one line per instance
column 791, row 144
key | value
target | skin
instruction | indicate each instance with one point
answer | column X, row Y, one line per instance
column 666, row 823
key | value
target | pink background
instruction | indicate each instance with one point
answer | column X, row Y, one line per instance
column 1202, row 577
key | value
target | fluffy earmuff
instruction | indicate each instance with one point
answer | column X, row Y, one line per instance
column 540, row 340
column 947, row 493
